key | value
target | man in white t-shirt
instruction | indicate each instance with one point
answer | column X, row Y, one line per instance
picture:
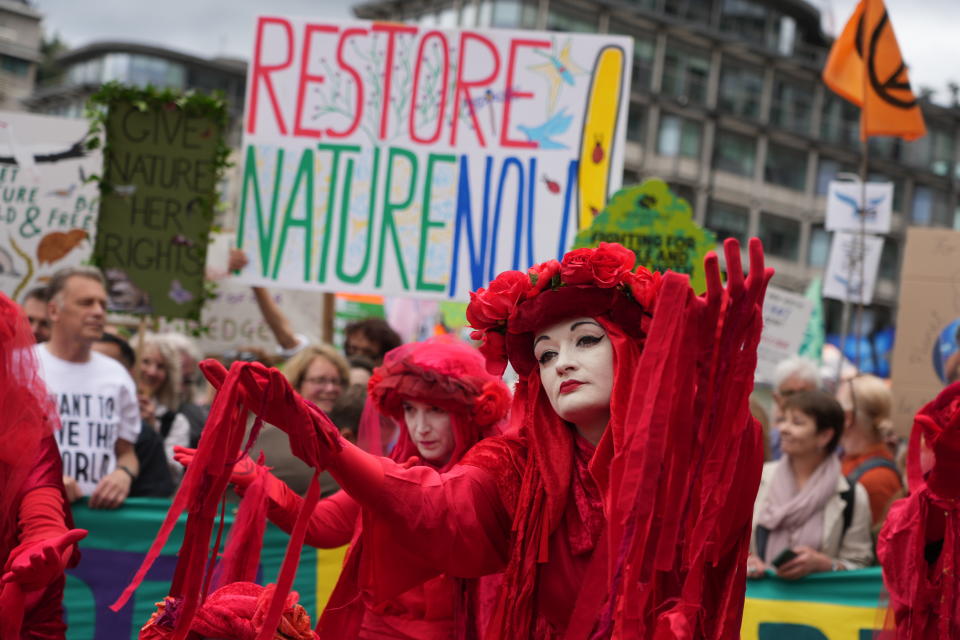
column 94, row 394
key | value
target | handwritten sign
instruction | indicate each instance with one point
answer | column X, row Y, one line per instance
column 386, row 158
column 656, row 225
column 785, row 319
column 153, row 226
column 49, row 214
column 852, row 268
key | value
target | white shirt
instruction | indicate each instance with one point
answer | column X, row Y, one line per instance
column 97, row 403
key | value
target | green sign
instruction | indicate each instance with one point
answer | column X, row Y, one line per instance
column 161, row 165
column 656, row 225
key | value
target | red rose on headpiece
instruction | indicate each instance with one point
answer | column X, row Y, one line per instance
column 575, row 268
column 544, row 274
column 494, row 349
column 644, row 286
column 492, row 306
column 491, row 406
column 609, row 263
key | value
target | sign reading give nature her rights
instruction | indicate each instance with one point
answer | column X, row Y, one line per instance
column 388, row 158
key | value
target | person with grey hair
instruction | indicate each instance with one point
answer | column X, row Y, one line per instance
column 793, row 375
column 94, row 394
column 190, row 357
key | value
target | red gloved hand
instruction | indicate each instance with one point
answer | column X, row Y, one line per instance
column 40, row 564
column 245, row 471
column 268, row 394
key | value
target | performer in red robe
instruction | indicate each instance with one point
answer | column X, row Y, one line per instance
column 918, row 545
column 37, row 539
column 444, row 401
column 619, row 503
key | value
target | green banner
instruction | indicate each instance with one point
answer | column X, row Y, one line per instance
column 116, row 546
column 656, row 225
column 160, row 163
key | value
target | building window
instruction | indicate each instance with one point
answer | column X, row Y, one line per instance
column 897, row 188
column 468, row 15
column 746, row 19
column 679, row 136
column 780, row 236
column 685, row 192
column 885, row 147
column 827, row 170
column 636, row 122
column 933, row 152
column 786, row 166
column 727, row 221
column 792, row 105
column 644, row 50
column 685, row 73
column 690, row 10
column 841, row 122
column 890, row 260
column 734, row 152
column 631, row 177
column 819, row 247
column 740, row 89
column 930, row 207
column 564, row 21
column 16, row 66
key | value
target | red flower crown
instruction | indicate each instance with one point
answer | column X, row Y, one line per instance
column 493, row 311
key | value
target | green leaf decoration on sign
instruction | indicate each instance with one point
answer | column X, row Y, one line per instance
column 655, row 224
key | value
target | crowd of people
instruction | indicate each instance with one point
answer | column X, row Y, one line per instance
column 471, row 508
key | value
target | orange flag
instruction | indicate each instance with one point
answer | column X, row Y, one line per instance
column 889, row 107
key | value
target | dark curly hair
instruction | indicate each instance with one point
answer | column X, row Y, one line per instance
column 376, row 330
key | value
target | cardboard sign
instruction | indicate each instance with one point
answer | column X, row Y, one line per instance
column 49, row 213
column 385, row 158
column 153, row 226
column 845, row 202
column 927, row 320
column 656, row 225
column 852, row 258
column 785, row 319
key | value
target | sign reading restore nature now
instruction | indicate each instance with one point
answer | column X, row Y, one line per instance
column 389, row 158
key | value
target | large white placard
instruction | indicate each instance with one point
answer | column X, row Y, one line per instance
column 785, row 318
column 852, row 268
column 395, row 159
column 845, row 201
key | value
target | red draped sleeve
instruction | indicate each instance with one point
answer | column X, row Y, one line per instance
column 332, row 523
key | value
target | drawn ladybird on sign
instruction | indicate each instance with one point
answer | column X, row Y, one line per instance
column 598, row 152
column 552, row 185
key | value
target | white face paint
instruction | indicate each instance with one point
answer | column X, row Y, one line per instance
column 576, row 370
column 430, row 429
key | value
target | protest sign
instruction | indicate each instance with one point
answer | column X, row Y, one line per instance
column 925, row 355
column 845, row 202
column 49, row 213
column 785, row 318
column 162, row 158
column 385, row 158
column 656, row 225
column 852, row 268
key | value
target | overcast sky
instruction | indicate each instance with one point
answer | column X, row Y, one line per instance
column 927, row 29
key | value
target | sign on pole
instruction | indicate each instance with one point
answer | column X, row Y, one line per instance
column 385, row 158
column 852, row 268
column 785, row 318
column 845, row 202
column 49, row 212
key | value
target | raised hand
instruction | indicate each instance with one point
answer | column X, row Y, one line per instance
column 40, row 564
column 244, row 472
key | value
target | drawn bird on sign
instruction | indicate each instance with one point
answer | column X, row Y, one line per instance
column 56, row 244
column 552, row 185
column 854, row 203
column 557, row 125
column 559, row 69
column 63, row 193
column 178, row 294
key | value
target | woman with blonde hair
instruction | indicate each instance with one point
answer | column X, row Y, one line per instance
column 866, row 401
column 159, row 381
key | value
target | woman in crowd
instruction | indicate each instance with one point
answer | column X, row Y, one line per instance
column 37, row 541
column 159, row 386
column 808, row 518
column 444, row 402
column 867, row 459
column 620, row 502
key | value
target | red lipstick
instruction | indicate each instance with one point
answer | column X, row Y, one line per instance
column 569, row 386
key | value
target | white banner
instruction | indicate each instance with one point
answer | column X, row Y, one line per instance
column 849, row 258
column 392, row 159
column 785, row 318
column 49, row 213
column 845, row 201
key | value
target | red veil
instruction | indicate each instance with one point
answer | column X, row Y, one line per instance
column 681, row 448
